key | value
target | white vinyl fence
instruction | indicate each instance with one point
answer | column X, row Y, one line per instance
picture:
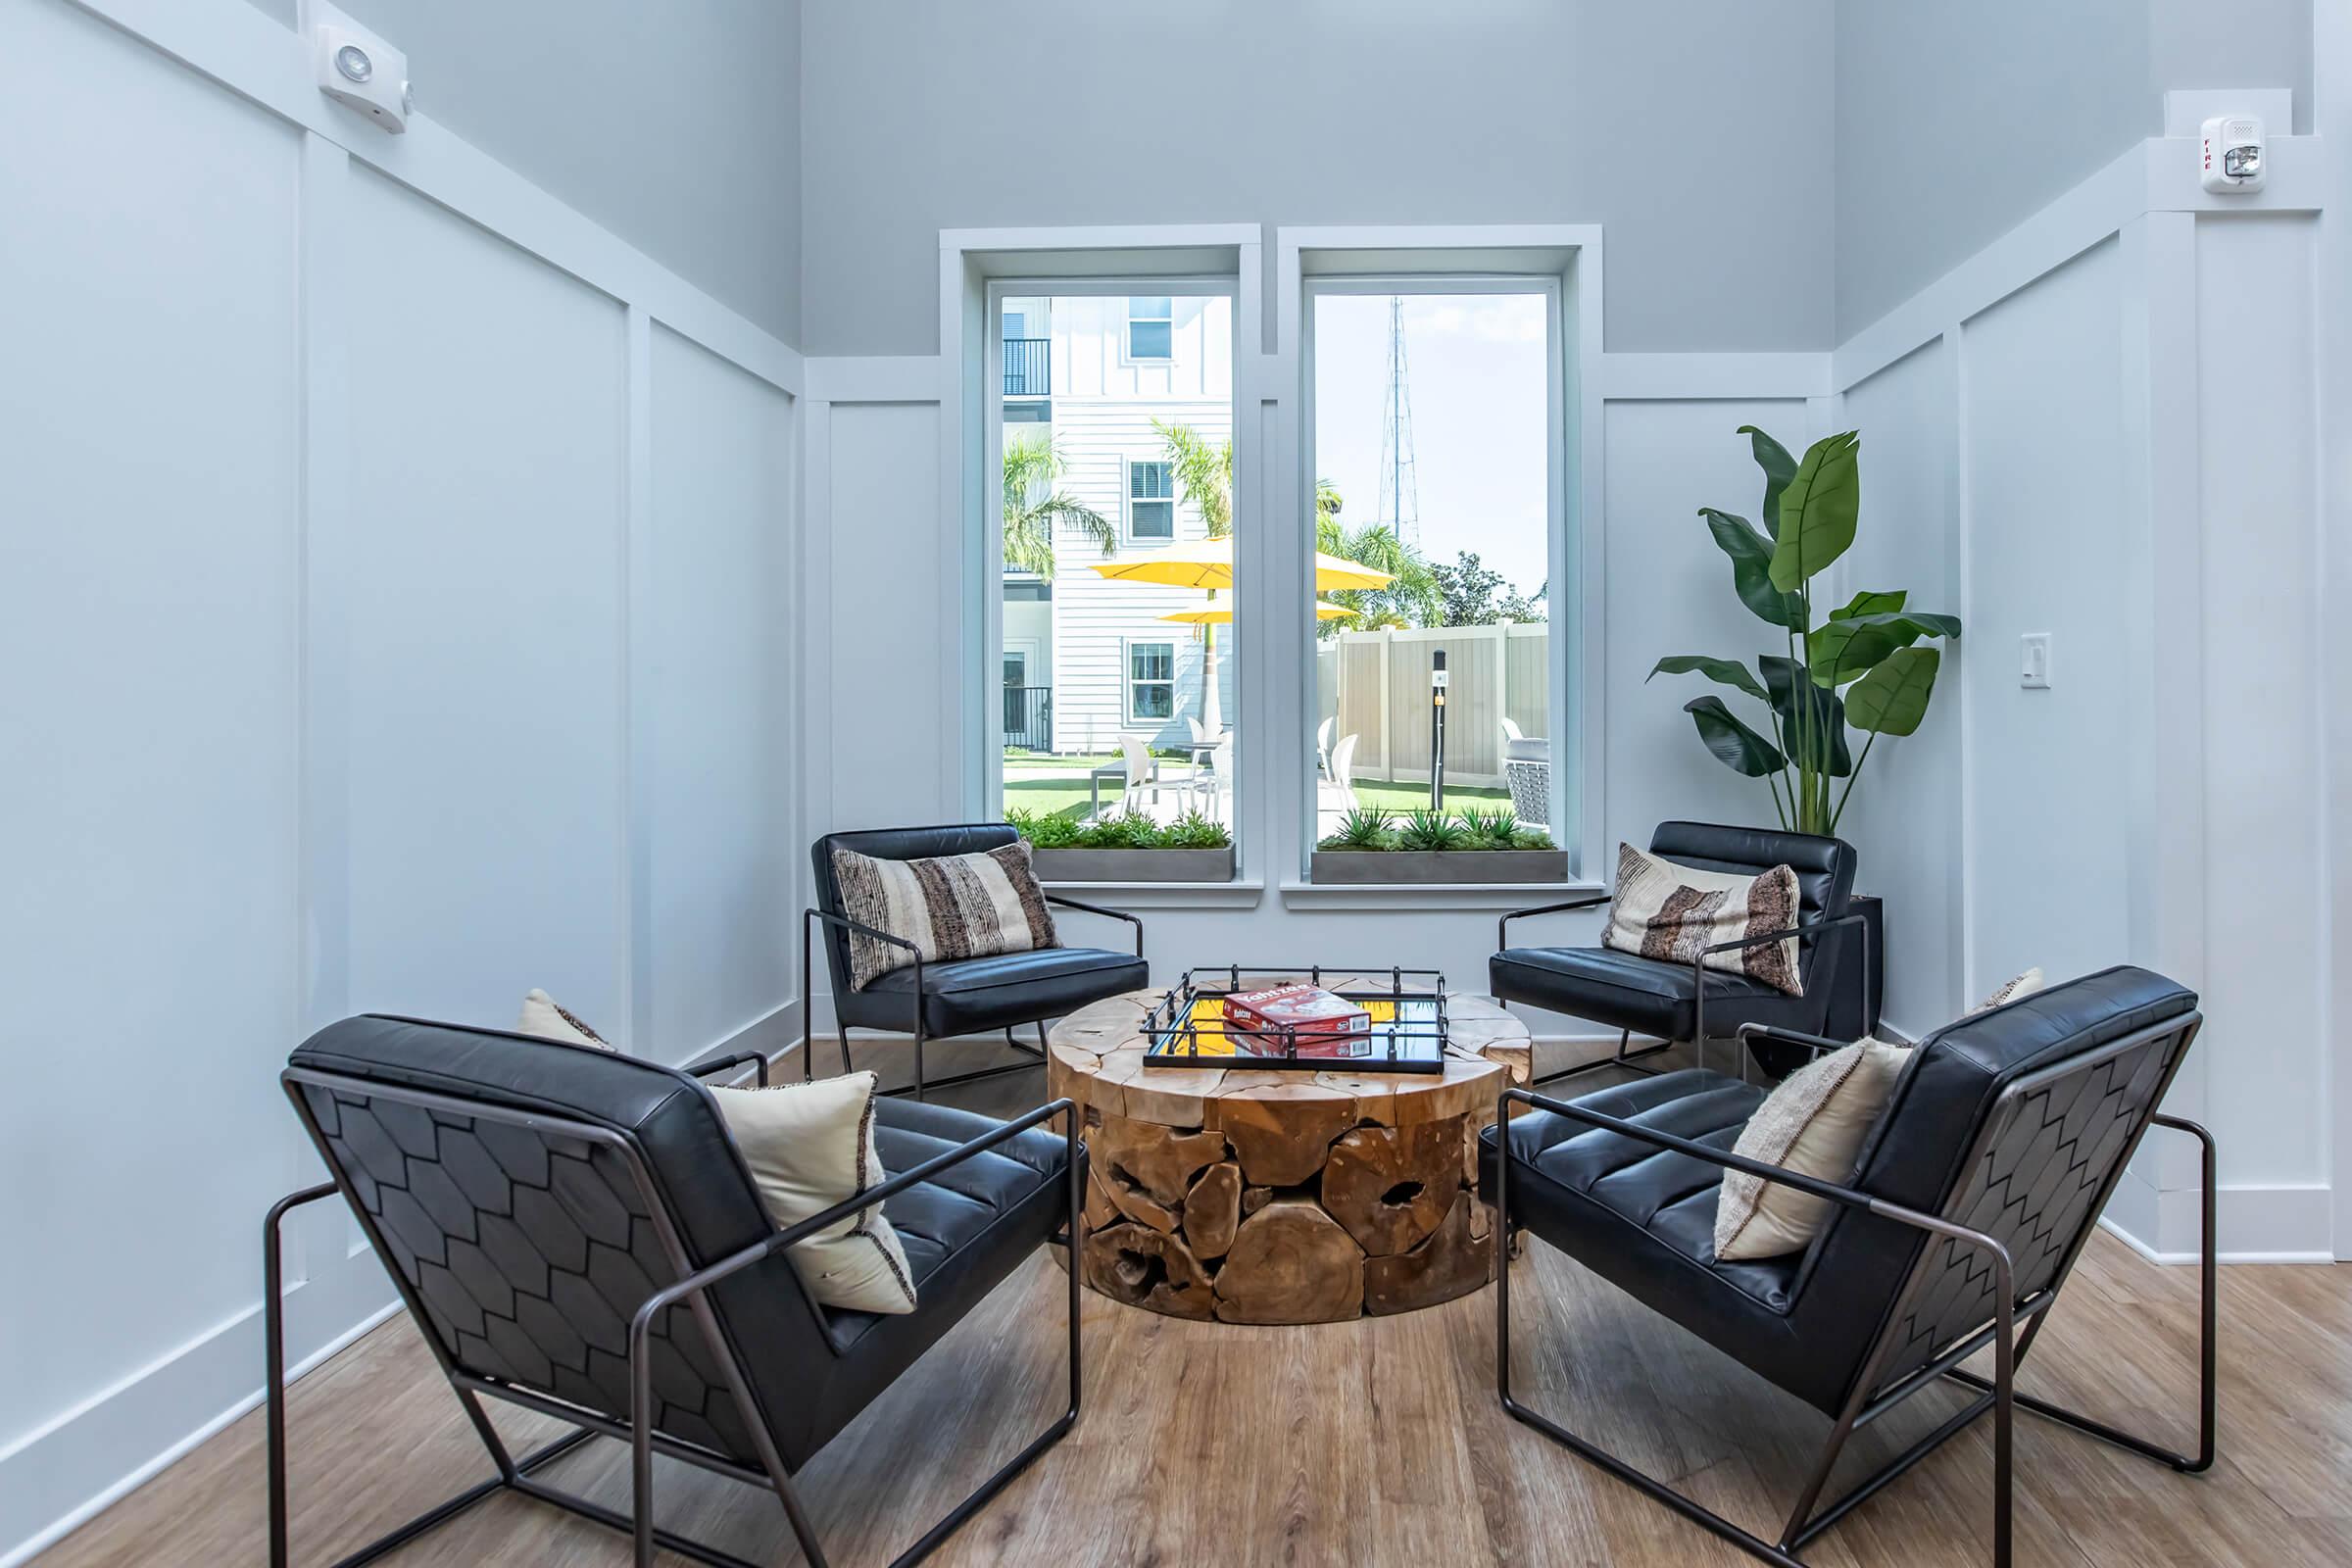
column 1376, row 685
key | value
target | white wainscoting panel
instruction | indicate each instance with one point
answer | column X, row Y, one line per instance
column 2264, row 964
column 889, row 722
column 346, row 533
column 150, row 428
column 2043, row 460
column 717, row 741
column 1904, row 821
column 487, row 494
column 1669, row 591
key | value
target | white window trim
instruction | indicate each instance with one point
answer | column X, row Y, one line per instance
column 1128, row 498
column 1510, row 256
column 1127, row 354
column 1128, row 717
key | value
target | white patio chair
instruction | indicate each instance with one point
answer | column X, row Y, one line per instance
column 1510, row 732
column 1343, row 770
column 1142, row 772
column 1323, row 747
column 1215, row 774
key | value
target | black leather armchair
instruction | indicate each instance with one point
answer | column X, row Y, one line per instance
column 575, row 1232
column 1689, row 1001
column 969, row 995
column 1973, row 1197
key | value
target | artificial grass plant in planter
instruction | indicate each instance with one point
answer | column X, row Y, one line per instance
column 1126, row 846
column 1373, row 844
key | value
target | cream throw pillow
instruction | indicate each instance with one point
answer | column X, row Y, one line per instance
column 542, row 1017
column 2025, row 985
column 1814, row 1124
column 810, row 1145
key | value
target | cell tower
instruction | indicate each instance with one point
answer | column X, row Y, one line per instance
column 1400, row 492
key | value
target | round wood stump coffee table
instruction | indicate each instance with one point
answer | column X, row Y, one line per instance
column 1257, row 1196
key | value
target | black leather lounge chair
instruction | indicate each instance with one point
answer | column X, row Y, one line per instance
column 1974, row 1195
column 575, row 1232
column 971, row 996
column 1673, row 1003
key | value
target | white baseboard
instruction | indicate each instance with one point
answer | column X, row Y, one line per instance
column 216, row 1372
column 2254, row 1224
column 219, row 1373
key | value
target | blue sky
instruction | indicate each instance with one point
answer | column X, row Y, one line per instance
column 1476, row 364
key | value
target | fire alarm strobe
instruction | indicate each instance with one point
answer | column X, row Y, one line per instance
column 357, row 69
column 2229, row 154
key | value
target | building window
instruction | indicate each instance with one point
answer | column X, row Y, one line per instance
column 1151, row 327
column 1150, row 501
column 1150, row 682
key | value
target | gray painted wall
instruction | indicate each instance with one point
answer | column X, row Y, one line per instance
column 1697, row 131
column 1955, row 123
column 676, row 124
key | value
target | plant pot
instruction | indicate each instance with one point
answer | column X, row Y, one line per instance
column 1341, row 867
column 1133, row 866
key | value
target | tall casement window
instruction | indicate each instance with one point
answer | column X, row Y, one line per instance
column 1112, row 430
column 1434, row 434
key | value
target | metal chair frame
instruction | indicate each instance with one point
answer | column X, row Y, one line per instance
column 922, row 1086
column 1806, row 932
column 1867, row 1401
column 689, row 1288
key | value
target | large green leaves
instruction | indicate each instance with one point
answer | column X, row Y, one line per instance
column 1818, row 509
column 1733, row 744
column 1779, row 469
column 1817, row 729
column 1722, row 672
column 1847, row 645
column 1751, row 569
column 1892, row 699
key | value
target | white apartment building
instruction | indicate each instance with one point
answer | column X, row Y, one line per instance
column 1087, row 660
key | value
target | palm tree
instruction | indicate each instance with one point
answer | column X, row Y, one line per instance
column 1033, row 507
column 1413, row 600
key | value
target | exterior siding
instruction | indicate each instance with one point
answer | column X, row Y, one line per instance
column 1103, row 408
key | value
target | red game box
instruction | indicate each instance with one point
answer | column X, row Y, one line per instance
column 1300, row 1016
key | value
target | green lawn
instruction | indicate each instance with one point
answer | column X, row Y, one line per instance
column 1058, row 786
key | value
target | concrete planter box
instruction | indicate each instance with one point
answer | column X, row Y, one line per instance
column 1133, row 866
column 1341, row 867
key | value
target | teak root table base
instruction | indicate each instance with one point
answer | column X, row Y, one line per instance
column 1251, row 1195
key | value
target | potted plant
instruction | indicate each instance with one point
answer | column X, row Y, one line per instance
column 1128, row 846
column 1867, row 664
column 1426, row 846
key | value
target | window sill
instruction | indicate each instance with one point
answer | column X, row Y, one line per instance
column 1496, row 895
column 1237, row 895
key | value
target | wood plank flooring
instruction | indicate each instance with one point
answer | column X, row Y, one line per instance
column 1371, row 1443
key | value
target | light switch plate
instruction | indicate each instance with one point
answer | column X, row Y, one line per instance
column 2033, row 662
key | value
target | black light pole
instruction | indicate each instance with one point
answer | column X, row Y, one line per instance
column 1436, row 730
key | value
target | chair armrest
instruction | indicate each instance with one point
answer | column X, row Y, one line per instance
column 1848, row 1197
column 1816, row 1043
column 704, row 1070
column 1584, row 902
column 1097, row 908
column 1803, row 929
column 848, row 924
column 701, row 1279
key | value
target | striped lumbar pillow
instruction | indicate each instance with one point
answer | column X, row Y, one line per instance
column 953, row 907
column 1668, row 911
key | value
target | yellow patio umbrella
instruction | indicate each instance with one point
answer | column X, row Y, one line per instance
column 1208, row 564
column 1219, row 613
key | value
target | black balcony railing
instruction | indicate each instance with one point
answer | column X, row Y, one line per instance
column 1028, row 366
column 1029, row 717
